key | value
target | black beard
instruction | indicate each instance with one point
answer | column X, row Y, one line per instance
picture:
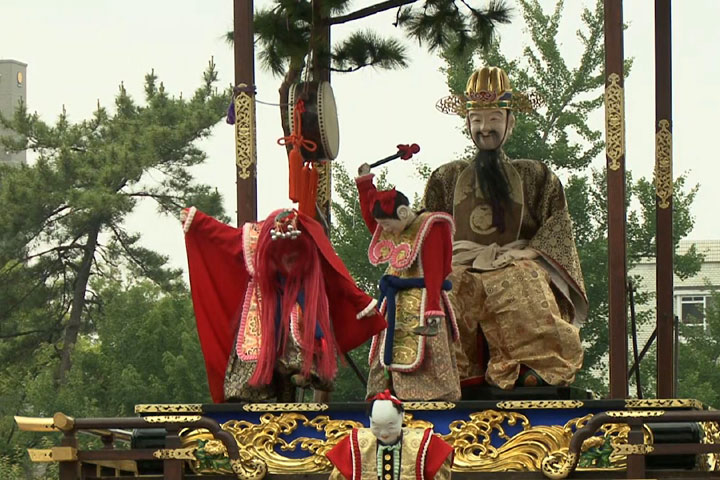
column 493, row 184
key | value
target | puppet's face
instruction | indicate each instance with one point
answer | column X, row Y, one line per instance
column 385, row 422
column 490, row 128
column 396, row 225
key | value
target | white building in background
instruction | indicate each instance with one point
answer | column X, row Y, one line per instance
column 691, row 296
column 13, row 89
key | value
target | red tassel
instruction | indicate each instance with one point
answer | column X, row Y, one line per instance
column 295, row 165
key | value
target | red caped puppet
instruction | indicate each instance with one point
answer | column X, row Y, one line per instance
column 274, row 298
column 389, row 452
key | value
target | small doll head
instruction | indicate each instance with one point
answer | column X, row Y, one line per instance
column 391, row 209
column 386, row 417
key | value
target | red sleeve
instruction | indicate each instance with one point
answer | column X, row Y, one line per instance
column 347, row 301
column 367, row 190
column 438, row 451
column 341, row 456
column 437, row 265
column 218, row 280
column 222, row 236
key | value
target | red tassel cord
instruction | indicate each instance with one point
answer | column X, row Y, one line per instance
column 296, row 161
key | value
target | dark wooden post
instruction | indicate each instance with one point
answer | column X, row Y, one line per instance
column 615, row 152
column 245, row 141
column 663, row 200
column 320, row 46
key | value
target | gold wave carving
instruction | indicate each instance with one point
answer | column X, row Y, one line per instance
column 428, row 405
column 169, row 408
column 633, row 449
column 285, row 407
column 614, row 121
column 663, row 403
column 175, row 454
column 635, row 413
column 472, row 440
column 172, row 418
column 538, row 404
column 663, row 164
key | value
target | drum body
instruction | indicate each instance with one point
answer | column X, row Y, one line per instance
column 319, row 121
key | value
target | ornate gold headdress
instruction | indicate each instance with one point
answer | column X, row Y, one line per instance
column 488, row 88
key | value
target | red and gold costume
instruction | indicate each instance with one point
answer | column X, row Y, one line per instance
column 246, row 341
column 423, row 456
column 418, row 262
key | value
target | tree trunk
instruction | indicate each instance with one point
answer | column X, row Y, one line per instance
column 78, row 305
column 290, row 77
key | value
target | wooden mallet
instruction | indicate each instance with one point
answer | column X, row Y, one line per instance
column 405, row 152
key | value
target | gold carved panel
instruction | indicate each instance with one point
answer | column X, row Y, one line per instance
column 474, row 440
column 663, row 164
column 245, row 138
column 614, row 121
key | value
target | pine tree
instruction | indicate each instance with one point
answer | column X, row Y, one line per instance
column 62, row 222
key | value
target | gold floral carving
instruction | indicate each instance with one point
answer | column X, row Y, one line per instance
column 245, row 141
column 169, row 408
column 172, row 418
column 538, row 404
column 175, row 454
column 285, row 407
column 614, row 121
column 633, row 449
column 711, row 435
column 663, row 403
column 635, row 413
column 663, row 164
column 428, row 405
column 472, row 439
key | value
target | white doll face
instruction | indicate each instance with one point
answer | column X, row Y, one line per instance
column 385, row 422
column 490, row 128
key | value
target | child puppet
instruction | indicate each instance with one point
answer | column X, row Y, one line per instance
column 414, row 356
column 386, row 451
column 262, row 294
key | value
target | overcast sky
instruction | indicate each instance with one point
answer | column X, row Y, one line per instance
column 78, row 51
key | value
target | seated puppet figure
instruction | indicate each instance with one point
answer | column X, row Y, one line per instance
column 414, row 356
column 386, row 451
column 261, row 298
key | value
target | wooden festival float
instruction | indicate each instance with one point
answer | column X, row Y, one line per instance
column 533, row 432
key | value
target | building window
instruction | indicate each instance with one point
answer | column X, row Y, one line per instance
column 693, row 308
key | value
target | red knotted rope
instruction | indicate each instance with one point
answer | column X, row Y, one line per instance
column 302, row 188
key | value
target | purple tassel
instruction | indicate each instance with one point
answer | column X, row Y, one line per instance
column 230, row 119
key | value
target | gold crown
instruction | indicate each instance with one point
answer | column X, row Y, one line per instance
column 487, row 89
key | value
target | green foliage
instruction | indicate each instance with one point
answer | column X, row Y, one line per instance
column 286, row 32
column 91, row 322
column 558, row 134
column 699, row 357
column 350, row 238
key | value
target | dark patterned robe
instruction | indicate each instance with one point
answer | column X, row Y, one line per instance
column 536, row 218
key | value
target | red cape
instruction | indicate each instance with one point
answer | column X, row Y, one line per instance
column 218, row 282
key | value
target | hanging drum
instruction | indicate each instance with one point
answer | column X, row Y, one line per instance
column 320, row 121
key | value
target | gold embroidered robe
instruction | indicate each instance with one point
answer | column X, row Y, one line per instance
column 527, row 310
